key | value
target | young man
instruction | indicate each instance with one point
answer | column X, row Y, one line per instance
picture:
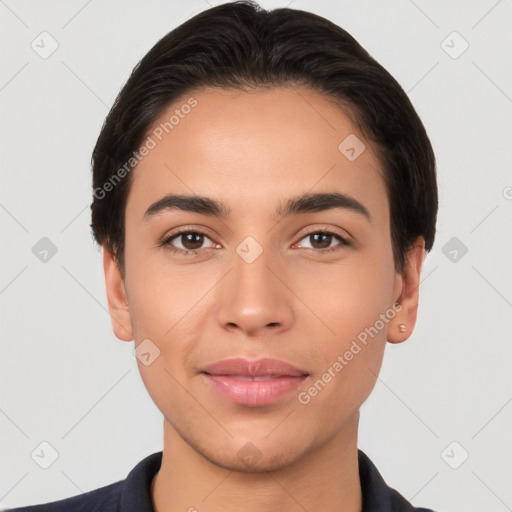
column 264, row 193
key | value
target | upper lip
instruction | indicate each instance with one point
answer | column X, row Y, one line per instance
column 260, row 367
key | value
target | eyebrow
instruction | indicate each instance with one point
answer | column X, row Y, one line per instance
column 305, row 203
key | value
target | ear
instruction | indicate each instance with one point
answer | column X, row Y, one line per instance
column 117, row 299
column 407, row 293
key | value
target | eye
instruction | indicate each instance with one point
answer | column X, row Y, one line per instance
column 191, row 242
column 324, row 239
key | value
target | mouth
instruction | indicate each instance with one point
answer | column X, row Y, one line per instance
column 253, row 384
column 252, row 378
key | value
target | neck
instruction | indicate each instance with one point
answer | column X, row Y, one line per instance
column 326, row 478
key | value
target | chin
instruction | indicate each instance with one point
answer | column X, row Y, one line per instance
column 256, row 456
column 251, row 463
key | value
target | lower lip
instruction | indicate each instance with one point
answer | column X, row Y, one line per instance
column 253, row 392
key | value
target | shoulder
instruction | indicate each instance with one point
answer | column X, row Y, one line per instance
column 377, row 495
column 105, row 499
column 130, row 495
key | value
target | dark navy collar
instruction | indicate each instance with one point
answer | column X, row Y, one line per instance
column 133, row 494
column 136, row 492
column 377, row 496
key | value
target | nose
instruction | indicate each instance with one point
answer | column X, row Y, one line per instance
column 255, row 297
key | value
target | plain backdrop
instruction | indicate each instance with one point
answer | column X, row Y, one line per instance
column 436, row 423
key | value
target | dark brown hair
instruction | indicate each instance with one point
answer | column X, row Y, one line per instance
column 240, row 45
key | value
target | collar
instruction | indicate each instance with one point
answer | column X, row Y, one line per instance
column 377, row 496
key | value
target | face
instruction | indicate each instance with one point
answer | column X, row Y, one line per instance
column 302, row 285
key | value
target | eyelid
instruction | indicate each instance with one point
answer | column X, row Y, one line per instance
column 328, row 229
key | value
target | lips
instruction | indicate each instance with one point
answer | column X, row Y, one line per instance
column 253, row 383
column 253, row 370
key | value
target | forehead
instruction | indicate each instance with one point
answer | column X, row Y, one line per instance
column 248, row 148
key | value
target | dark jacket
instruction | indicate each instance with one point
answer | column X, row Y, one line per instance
column 133, row 494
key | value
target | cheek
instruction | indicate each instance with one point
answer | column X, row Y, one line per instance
column 352, row 301
column 167, row 307
column 161, row 295
column 347, row 296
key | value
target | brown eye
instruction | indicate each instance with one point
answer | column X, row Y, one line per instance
column 190, row 241
column 321, row 241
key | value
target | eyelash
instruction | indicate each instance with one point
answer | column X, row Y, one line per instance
column 189, row 252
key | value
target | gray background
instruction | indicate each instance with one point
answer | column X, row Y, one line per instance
column 65, row 378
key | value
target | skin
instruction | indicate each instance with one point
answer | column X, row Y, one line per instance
column 253, row 150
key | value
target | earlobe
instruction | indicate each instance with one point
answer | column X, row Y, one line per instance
column 402, row 325
column 117, row 299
